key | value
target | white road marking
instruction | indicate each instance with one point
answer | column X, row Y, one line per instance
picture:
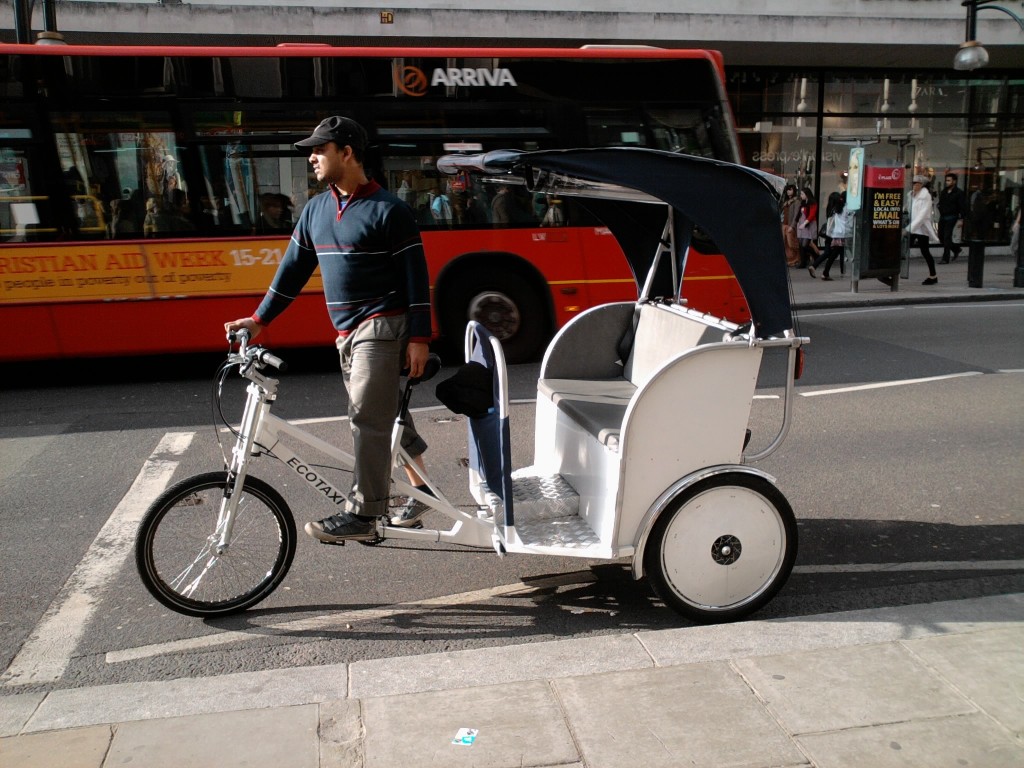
column 833, row 312
column 885, row 384
column 950, row 565
column 336, row 621
column 48, row 650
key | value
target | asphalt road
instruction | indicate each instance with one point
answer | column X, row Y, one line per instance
column 904, row 466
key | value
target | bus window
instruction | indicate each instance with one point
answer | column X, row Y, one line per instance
column 123, row 174
column 22, row 213
column 680, row 130
column 252, row 188
column 615, row 128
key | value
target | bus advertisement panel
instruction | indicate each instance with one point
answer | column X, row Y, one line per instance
column 157, row 187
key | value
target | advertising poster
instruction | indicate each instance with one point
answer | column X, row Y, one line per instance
column 106, row 271
column 882, row 220
column 855, row 179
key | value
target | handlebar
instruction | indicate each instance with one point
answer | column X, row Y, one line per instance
column 259, row 356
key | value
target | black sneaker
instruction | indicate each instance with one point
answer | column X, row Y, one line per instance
column 409, row 514
column 342, row 527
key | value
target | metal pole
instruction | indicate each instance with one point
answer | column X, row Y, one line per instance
column 23, row 21
column 972, row 19
column 49, row 15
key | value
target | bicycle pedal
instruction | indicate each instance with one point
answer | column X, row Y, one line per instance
column 332, row 543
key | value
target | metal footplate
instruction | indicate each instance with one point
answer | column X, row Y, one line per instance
column 536, row 497
column 546, row 511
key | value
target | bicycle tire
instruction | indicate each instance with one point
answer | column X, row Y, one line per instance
column 174, row 547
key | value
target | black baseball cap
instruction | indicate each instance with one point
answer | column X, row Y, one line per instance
column 340, row 130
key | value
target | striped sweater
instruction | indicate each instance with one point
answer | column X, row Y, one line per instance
column 371, row 261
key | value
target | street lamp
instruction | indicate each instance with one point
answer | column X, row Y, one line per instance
column 972, row 55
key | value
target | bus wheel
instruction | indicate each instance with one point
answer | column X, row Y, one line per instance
column 723, row 549
column 506, row 304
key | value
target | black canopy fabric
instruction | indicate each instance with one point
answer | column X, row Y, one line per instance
column 736, row 206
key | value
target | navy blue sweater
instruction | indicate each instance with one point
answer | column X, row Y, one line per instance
column 371, row 261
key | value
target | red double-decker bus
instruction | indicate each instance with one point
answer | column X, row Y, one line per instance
column 148, row 193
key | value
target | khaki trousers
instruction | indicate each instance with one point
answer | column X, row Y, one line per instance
column 372, row 358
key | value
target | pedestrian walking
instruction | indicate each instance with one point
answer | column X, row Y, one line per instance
column 807, row 228
column 952, row 205
column 368, row 248
column 922, row 228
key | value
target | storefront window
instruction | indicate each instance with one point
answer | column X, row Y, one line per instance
column 930, row 123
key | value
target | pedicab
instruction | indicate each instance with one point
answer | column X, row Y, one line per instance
column 641, row 426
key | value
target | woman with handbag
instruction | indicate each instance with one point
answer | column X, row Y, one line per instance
column 789, row 213
column 835, row 230
column 807, row 228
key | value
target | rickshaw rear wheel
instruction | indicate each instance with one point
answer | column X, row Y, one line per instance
column 723, row 548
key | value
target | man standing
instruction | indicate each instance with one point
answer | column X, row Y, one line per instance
column 367, row 245
column 952, row 209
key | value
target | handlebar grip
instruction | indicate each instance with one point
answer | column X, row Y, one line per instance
column 241, row 336
column 268, row 358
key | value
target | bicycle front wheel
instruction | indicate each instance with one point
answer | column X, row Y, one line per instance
column 176, row 547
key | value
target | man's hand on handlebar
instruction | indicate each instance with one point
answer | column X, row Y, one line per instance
column 246, row 323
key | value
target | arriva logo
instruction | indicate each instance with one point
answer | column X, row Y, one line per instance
column 412, row 81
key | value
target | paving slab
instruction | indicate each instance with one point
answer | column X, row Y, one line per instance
column 669, row 647
column 986, row 667
column 954, row 742
column 127, row 702
column 851, row 687
column 341, row 733
column 264, row 738
column 75, row 748
column 697, row 715
column 516, row 725
column 16, row 710
column 492, row 666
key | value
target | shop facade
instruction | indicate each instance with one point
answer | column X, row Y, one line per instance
column 801, row 124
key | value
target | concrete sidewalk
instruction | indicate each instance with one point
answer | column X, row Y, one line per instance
column 997, row 282
column 924, row 685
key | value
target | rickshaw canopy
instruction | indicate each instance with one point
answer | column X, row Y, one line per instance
column 736, row 206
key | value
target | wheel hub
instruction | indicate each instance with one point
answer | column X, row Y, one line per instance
column 726, row 550
column 497, row 312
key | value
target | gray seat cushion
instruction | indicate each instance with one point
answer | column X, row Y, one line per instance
column 597, row 405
